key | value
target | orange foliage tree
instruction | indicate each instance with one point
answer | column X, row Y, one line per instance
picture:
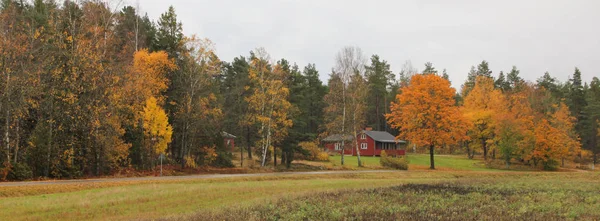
column 425, row 114
column 514, row 124
column 548, row 147
column 564, row 123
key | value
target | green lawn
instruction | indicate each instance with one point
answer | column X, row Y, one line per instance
column 352, row 161
column 443, row 162
column 452, row 162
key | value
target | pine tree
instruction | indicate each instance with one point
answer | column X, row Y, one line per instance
column 549, row 83
column 377, row 77
column 576, row 100
column 169, row 35
column 429, row 69
column 588, row 121
column 235, row 89
column 514, row 80
column 315, row 92
column 501, row 83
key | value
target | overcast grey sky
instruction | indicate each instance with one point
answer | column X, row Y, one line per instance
column 536, row 36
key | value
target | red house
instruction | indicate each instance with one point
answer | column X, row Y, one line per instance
column 229, row 140
column 333, row 143
column 370, row 143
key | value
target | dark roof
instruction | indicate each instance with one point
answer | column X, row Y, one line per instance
column 337, row 138
column 227, row 135
column 382, row 136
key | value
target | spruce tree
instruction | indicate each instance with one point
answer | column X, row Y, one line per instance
column 377, row 77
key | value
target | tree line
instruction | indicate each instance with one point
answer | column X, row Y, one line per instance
column 87, row 89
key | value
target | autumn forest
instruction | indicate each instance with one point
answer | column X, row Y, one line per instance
column 88, row 90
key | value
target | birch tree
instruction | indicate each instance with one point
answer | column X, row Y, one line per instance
column 348, row 61
column 268, row 103
column 357, row 94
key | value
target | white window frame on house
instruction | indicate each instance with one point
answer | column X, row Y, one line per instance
column 338, row 146
column 363, row 136
column 363, row 146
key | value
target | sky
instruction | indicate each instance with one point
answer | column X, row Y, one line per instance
column 536, row 36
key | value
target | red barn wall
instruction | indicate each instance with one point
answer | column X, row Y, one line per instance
column 331, row 148
column 370, row 151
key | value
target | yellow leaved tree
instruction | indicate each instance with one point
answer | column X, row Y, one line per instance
column 268, row 104
column 147, row 78
column 480, row 107
column 157, row 131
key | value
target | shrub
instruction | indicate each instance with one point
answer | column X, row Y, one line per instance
column 551, row 165
column 190, row 162
column 400, row 163
column 20, row 171
column 323, row 156
column 208, row 155
column 314, row 152
column 223, row 159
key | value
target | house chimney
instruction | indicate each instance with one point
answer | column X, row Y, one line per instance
column 368, row 128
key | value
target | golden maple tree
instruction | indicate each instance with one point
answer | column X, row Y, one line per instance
column 425, row 114
column 480, row 107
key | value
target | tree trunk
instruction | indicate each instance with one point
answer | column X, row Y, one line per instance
column 7, row 137
column 357, row 150
column 288, row 159
column 50, row 141
column 283, row 158
column 469, row 152
column 484, row 146
column 343, row 119
column 356, row 135
column 377, row 114
column 431, row 160
column 274, row 157
column 17, row 143
column 248, row 143
column 342, row 151
column 241, row 156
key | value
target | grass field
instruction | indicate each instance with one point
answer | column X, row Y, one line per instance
column 417, row 161
column 461, row 189
column 160, row 199
column 474, row 196
column 394, row 195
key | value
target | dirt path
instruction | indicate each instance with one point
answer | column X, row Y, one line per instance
column 188, row 177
